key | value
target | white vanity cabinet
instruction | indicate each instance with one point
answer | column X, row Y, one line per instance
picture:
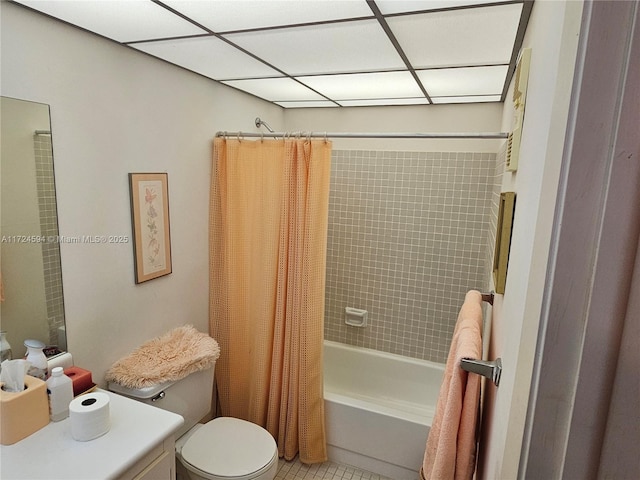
column 158, row 464
column 140, row 445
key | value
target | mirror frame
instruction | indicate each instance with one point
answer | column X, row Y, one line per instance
column 30, row 265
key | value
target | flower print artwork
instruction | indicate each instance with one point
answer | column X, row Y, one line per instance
column 152, row 226
column 153, row 241
column 151, row 229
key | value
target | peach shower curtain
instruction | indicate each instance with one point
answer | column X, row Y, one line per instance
column 268, row 236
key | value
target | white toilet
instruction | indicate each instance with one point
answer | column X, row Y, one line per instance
column 224, row 448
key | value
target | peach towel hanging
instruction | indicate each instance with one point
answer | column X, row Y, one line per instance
column 451, row 447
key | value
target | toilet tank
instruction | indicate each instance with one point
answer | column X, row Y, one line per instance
column 189, row 397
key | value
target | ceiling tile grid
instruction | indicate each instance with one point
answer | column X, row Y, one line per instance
column 356, row 46
column 322, row 53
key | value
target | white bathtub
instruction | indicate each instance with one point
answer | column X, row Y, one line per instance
column 379, row 408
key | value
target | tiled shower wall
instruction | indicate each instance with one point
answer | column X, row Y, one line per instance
column 49, row 228
column 408, row 237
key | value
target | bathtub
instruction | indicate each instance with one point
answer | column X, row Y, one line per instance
column 378, row 408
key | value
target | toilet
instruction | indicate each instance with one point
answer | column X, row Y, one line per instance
column 224, row 448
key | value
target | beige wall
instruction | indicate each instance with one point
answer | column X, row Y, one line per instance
column 474, row 118
column 552, row 35
column 592, row 297
column 115, row 111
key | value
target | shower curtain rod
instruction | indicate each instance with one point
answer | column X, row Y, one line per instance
column 489, row 135
column 261, row 123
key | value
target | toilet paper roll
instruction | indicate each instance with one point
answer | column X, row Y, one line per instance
column 89, row 415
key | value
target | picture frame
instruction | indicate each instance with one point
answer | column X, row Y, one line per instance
column 149, row 194
column 506, row 210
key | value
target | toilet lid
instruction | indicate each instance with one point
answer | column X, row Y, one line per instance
column 229, row 447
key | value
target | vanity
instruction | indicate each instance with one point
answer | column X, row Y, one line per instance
column 140, row 445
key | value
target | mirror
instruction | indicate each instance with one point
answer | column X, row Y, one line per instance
column 32, row 301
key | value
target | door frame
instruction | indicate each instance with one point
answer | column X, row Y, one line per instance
column 593, row 249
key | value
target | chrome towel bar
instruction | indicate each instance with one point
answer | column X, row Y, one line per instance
column 491, row 370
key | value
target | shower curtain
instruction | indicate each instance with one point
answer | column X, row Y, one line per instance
column 268, row 237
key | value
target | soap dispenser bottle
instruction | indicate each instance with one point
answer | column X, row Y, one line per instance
column 60, row 390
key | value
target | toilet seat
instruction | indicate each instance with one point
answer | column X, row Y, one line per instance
column 229, row 448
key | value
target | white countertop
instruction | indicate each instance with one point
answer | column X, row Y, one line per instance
column 51, row 453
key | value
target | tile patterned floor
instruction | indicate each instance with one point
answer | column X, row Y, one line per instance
column 296, row 470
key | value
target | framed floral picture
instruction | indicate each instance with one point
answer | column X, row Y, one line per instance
column 150, row 225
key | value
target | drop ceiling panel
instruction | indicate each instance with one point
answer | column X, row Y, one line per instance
column 121, row 20
column 475, row 36
column 464, row 81
column 310, row 104
column 208, row 56
column 275, row 89
column 468, row 99
column 383, row 102
column 340, row 47
column 361, row 86
column 402, row 6
column 228, row 15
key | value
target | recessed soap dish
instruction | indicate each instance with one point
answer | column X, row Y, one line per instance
column 355, row 317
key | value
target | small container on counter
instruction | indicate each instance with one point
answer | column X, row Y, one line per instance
column 37, row 359
column 60, row 390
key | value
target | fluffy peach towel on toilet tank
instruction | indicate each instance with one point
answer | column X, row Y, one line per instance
column 451, row 447
column 269, row 216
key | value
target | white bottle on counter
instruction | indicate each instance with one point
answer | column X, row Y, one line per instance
column 60, row 390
